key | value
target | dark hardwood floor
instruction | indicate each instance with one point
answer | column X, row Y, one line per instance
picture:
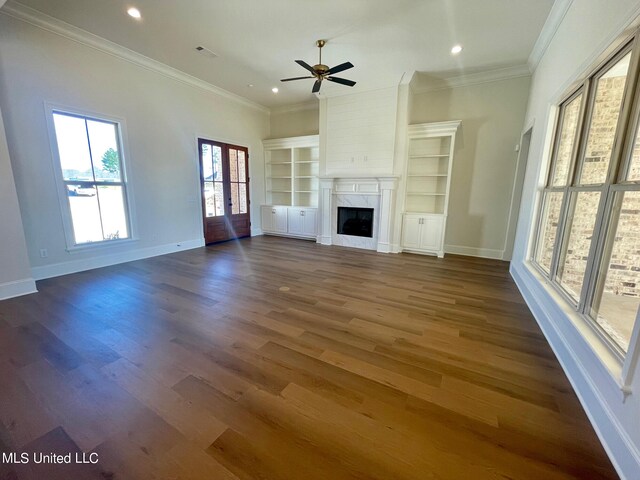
column 272, row 358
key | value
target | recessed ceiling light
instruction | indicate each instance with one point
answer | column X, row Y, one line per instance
column 456, row 49
column 275, row 90
column 250, row 85
column 135, row 13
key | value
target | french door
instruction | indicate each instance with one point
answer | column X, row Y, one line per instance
column 224, row 179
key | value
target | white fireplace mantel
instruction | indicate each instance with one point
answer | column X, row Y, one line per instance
column 377, row 192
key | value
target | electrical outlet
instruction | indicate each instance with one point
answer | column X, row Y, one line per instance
column 44, row 253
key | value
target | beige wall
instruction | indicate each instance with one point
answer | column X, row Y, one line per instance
column 163, row 118
column 295, row 123
column 485, row 159
column 15, row 274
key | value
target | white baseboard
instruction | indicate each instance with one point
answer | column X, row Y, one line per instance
column 17, row 288
column 474, row 251
column 65, row 268
column 590, row 380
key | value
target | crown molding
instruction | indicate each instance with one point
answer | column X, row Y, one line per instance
column 549, row 29
column 297, row 107
column 58, row 27
column 473, row 79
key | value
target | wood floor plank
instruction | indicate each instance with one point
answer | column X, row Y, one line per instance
column 274, row 358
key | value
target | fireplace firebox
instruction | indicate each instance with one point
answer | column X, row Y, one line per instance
column 355, row 221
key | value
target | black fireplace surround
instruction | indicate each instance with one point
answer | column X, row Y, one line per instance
column 355, row 221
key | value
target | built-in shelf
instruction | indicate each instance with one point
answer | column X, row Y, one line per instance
column 292, row 167
column 428, row 179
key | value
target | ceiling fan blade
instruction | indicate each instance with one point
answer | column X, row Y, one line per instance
column 316, row 86
column 304, row 64
column 340, row 68
column 342, row 81
column 294, row 78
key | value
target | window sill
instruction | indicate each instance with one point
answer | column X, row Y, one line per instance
column 100, row 245
column 584, row 326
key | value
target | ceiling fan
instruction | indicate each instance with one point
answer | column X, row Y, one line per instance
column 321, row 72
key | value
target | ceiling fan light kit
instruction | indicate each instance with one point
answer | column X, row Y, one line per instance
column 322, row 72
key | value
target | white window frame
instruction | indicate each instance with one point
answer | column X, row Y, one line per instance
column 61, row 187
column 620, row 159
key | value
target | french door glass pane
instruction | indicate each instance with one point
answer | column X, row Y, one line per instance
column 73, row 147
column 242, row 166
column 85, row 215
column 567, row 137
column 233, row 165
column 104, row 150
column 114, row 220
column 621, row 290
column 549, row 228
column 218, row 172
column 213, row 196
column 604, row 119
column 235, row 202
column 207, row 163
column 580, row 226
column 243, row 197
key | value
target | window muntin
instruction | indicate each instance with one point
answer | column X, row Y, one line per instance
column 91, row 163
column 587, row 246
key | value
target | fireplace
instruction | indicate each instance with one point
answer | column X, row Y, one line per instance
column 355, row 221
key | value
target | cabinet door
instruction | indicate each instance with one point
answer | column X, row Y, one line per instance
column 310, row 222
column 295, row 220
column 431, row 235
column 411, row 226
column 267, row 215
column 280, row 220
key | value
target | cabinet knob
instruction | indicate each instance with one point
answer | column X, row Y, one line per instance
column 273, row 211
column 302, row 213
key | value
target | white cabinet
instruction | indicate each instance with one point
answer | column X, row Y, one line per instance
column 290, row 221
column 423, row 233
column 302, row 221
column 427, row 184
column 274, row 219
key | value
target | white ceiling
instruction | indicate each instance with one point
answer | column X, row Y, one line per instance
column 257, row 41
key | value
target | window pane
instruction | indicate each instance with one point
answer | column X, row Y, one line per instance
column 207, row 163
column 219, row 194
column 242, row 166
column 243, row 198
column 580, row 227
column 570, row 117
column 233, row 165
column 602, row 129
column 114, row 218
column 549, row 228
column 235, row 203
column 621, row 294
column 218, row 173
column 634, row 169
column 73, row 148
column 85, row 214
column 104, row 150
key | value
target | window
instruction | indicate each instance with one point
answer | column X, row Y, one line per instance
column 588, row 238
column 93, row 176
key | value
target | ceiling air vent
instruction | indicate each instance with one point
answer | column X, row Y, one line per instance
column 206, row 52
